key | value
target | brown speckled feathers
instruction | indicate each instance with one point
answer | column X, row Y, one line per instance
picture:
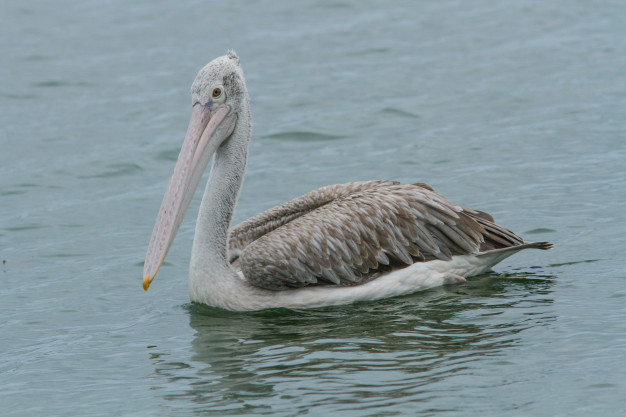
column 348, row 234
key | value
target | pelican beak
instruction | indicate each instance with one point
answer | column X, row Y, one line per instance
column 207, row 130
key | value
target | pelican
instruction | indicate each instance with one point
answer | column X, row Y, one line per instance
column 335, row 245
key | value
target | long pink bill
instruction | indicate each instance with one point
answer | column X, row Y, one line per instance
column 197, row 149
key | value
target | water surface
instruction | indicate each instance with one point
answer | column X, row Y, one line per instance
column 515, row 108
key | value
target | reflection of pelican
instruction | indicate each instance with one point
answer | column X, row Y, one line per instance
column 335, row 245
column 416, row 346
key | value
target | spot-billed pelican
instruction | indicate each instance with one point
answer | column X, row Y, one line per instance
column 334, row 245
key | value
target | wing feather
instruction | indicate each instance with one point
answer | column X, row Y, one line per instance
column 269, row 220
column 348, row 234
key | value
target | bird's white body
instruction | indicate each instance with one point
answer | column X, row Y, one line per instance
column 232, row 292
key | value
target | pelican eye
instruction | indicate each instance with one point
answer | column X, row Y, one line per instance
column 217, row 92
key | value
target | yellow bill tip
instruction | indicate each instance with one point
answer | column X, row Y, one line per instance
column 146, row 282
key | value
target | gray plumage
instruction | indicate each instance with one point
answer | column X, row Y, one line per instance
column 349, row 234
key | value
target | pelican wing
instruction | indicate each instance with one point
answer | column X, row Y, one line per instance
column 263, row 223
column 357, row 236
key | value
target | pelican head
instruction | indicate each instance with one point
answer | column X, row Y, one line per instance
column 218, row 94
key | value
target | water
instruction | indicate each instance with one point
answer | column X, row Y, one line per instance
column 516, row 108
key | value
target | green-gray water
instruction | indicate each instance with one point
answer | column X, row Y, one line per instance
column 513, row 107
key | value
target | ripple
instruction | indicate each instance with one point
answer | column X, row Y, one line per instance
column 19, row 96
column 24, row 227
column 168, row 155
column 51, row 83
column 586, row 261
column 398, row 112
column 59, row 83
column 36, row 58
column 370, row 51
column 116, row 170
column 540, row 230
column 13, row 192
column 303, row 136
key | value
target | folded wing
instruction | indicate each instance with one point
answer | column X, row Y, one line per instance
column 349, row 234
